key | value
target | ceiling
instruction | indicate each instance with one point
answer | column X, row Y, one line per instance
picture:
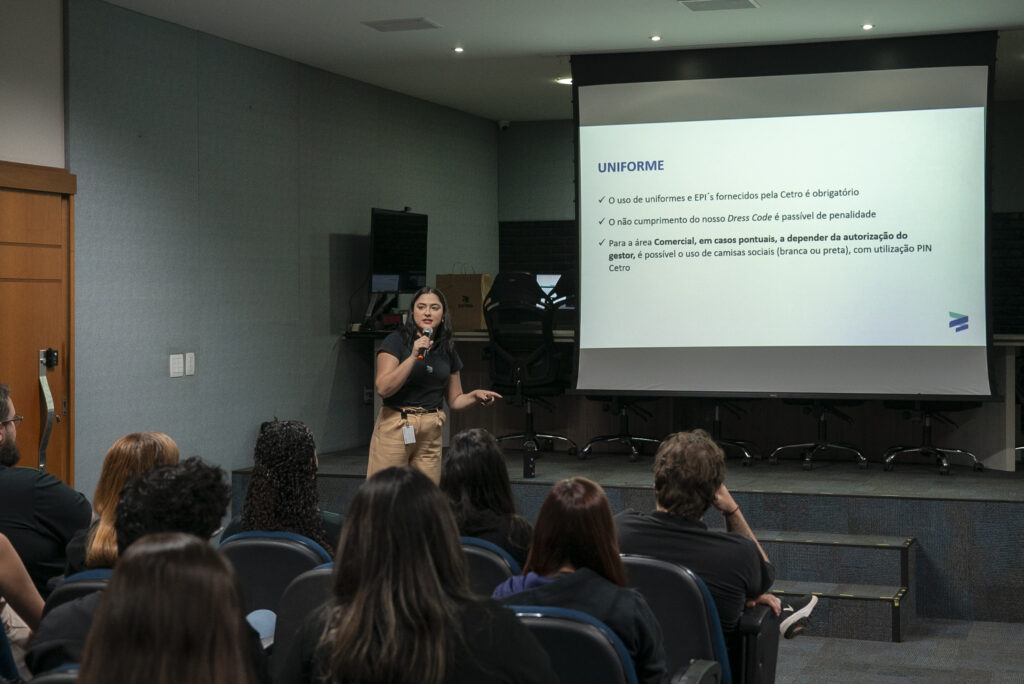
column 514, row 49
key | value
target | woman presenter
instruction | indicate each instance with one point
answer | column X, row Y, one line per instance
column 417, row 369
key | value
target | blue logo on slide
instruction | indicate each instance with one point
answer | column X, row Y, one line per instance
column 959, row 321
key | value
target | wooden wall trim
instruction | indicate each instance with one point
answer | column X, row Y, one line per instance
column 39, row 178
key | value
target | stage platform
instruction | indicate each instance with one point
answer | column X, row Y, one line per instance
column 880, row 548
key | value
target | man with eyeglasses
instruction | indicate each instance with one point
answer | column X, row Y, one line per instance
column 38, row 512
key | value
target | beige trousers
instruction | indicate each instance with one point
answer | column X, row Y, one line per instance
column 388, row 448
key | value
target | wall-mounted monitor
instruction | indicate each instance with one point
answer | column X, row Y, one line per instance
column 398, row 248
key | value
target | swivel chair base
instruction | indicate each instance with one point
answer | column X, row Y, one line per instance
column 811, row 448
column 624, row 436
column 940, row 454
column 531, row 441
column 747, row 448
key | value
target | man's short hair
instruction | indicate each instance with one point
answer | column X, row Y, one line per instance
column 188, row 497
column 688, row 470
column 5, row 394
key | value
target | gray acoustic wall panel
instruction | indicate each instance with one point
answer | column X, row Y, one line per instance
column 211, row 179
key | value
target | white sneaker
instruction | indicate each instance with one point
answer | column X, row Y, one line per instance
column 795, row 611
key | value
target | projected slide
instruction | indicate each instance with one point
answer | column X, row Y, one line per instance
column 816, row 245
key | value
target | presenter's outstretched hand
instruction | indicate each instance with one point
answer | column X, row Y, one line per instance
column 485, row 397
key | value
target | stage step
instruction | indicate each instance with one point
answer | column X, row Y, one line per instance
column 863, row 580
column 853, row 611
column 840, row 558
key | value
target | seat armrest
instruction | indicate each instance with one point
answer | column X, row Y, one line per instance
column 752, row 619
column 758, row 630
column 699, row 672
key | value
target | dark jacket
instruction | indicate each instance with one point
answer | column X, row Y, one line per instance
column 624, row 610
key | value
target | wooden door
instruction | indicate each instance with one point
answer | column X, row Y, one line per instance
column 36, row 271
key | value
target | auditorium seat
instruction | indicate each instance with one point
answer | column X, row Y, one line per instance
column 489, row 565
column 266, row 562
column 303, row 595
column 690, row 625
column 76, row 586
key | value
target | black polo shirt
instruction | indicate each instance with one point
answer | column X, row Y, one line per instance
column 425, row 387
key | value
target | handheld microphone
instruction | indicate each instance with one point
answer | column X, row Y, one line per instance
column 428, row 332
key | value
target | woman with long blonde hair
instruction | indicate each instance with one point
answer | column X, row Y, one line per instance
column 96, row 546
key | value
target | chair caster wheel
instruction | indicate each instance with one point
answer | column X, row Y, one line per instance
column 773, row 460
column 746, row 463
column 547, row 445
column 583, row 455
column 888, row 467
column 979, row 467
column 944, row 470
column 572, row 451
column 633, row 456
column 863, row 465
column 530, row 445
column 806, row 465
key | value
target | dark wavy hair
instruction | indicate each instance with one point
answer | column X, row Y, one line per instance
column 475, row 479
column 689, row 467
column 5, row 394
column 575, row 525
column 282, row 494
column 442, row 336
column 189, row 497
column 400, row 582
column 173, row 612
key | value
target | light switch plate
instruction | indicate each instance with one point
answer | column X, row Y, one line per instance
column 177, row 365
column 190, row 363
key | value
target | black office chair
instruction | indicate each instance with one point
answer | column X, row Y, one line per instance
column 822, row 410
column 76, row 586
column 525, row 364
column 267, row 562
column 748, row 449
column 489, row 565
column 301, row 598
column 623, row 406
column 690, row 625
column 925, row 412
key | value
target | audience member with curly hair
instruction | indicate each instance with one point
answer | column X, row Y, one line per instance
column 173, row 612
column 574, row 563
column 96, row 546
column 475, row 478
column 189, row 497
column 402, row 610
column 282, row 494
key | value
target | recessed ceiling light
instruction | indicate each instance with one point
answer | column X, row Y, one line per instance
column 565, row 80
column 655, row 38
column 867, row 27
column 457, row 50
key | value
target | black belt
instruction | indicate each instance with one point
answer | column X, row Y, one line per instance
column 406, row 412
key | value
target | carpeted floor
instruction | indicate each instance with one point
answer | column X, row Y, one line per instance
column 935, row 651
